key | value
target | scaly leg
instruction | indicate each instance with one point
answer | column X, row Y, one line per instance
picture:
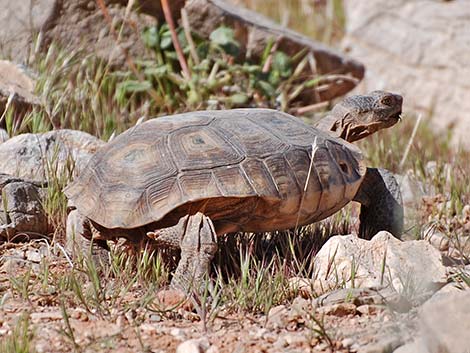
column 198, row 247
column 381, row 204
column 80, row 242
column 197, row 239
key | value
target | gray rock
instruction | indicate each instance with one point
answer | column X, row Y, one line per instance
column 411, row 268
column 416, row 48
column 74, row 25
column 21, row 214
column 412, row 192
column 38, row 156
column 16, row 89
column 446, row 323
column 20, row 21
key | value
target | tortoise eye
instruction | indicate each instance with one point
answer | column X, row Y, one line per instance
column 387, row 100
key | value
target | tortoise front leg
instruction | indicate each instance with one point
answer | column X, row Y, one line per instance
column 196, row 237
column 80, row 240
column 381, row 204
column 198, row 247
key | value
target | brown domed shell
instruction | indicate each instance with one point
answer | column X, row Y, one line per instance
column 259, row 169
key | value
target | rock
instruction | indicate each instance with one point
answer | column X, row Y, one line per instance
column 365, row 296
column 154, row 8
column 12, row 261
column 212, row 349
column 33, row 256
column 17, row 90
column 412, row 192
column 178, row 333
column 254, row 32
column 49, row 316
column 416, row 48
column 383, row 345
column 278, row 317
column 411, row 268
column 37, row 156
column 75, row 25
column 341, row 309
column 446, row 323
column 436, row 238
column 417, row 346
column 3, row 135
column 21, row 213
column 347, row 342
column 368, row 309
column 193, row 346
column 20, row 22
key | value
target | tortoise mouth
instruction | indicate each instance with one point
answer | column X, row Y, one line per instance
column 397, row 116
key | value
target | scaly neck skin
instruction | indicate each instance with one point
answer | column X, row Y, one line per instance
column 343, row 124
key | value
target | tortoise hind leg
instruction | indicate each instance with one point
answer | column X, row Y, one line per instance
column 381, row 204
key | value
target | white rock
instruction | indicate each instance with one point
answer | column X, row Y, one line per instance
column 199, row 345
column 278, row 317
column 33, row 256
column 178, row 333
column 436, row 238
column 446, row 323
column 413, row 266
column 417, row 346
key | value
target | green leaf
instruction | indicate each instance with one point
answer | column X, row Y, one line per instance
column 133, row 86
column 267, row 89
column 165, row 42
column 222, row 36
column 157, row 71
column 225, row 38
column 151, row 37
column 239, row 99
column 282, row 64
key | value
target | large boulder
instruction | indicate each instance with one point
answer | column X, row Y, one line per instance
column 420, row 49
column 73, row 24
column 40, row 156
column 16, row 89
column 20, row 22
column 413, row 268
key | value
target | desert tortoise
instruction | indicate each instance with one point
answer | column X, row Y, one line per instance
column 184, row 179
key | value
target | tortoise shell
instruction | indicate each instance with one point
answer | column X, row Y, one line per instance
column 247, row 169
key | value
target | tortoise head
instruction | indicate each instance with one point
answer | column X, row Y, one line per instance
column 359, row 116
